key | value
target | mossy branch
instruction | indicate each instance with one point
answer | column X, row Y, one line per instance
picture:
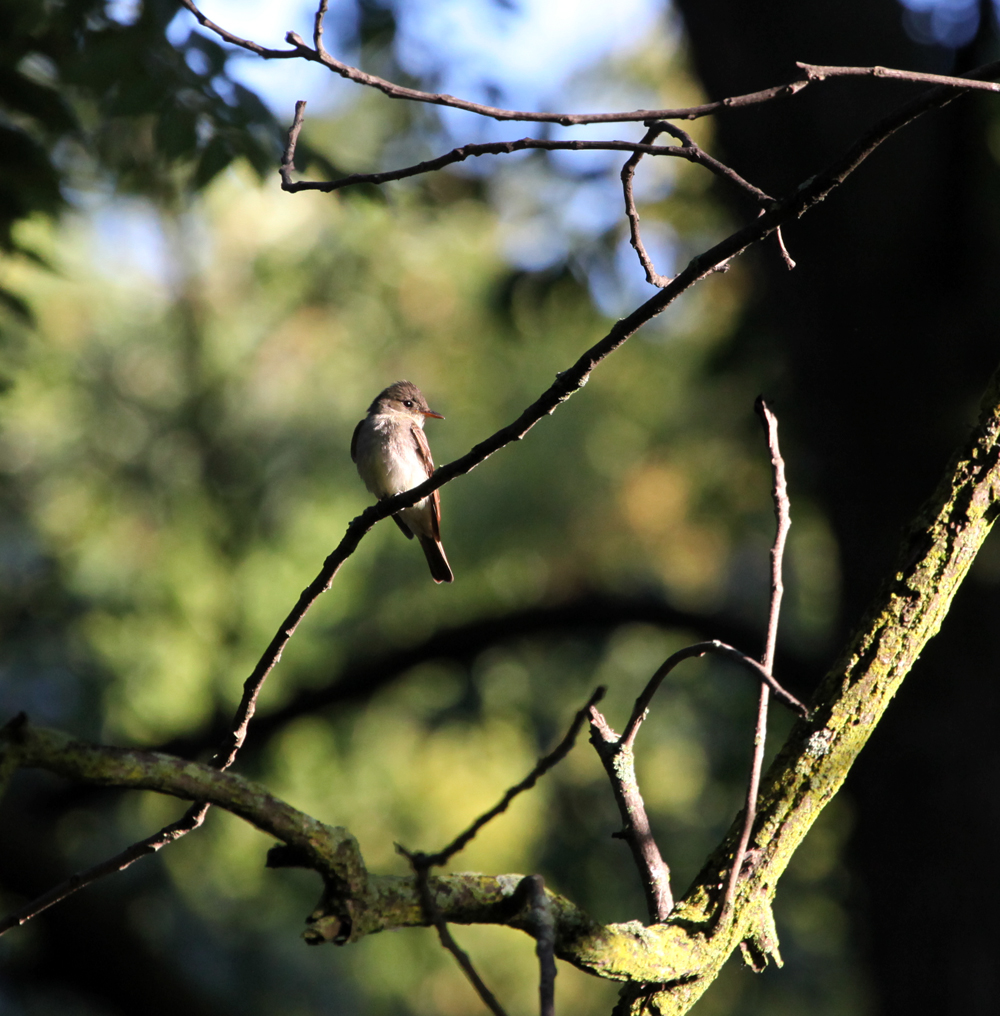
column 330, row 850
column 668, row 964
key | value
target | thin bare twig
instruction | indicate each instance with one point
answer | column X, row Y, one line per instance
column 393, row 91
column 695, row 153
column 785, row 256
column 783, row 521
column 701, row 649
column 632, row 213
column 818, row 72
column 422, row 863
column 544, row 764
column 288, row 157
column 545, row 943
column 190, row 821
column 464, row 152
column 814, row 73
column 616, row 755
column 318, row 27
column 421, row 867
column 235, row 40
column 690, row 150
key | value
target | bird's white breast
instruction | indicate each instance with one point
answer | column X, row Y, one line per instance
column 387, row 456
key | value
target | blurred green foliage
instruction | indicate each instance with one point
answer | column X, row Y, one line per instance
column 175, row 444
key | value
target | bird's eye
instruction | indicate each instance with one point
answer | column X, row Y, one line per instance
column 408, row 403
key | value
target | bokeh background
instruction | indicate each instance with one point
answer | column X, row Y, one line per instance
column 186, row 350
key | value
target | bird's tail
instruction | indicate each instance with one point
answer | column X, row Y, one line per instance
column 434, row 552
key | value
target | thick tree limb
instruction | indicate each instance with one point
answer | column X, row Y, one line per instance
column 330, row 850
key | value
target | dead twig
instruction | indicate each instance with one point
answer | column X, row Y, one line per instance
column 464, row 152
column 617, row 756
column 818, row 72
column 814, row 73
column 421, row 867
column 785, row 256
column 782, row 514
column 288, row 157
column 689, row 150
column 190, row 821
column 318, row 27
column 301, row 50
column 692, row 652
column 544, row 764
column 422, row 864
column 632, row 214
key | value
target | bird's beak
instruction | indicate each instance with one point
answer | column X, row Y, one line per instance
column 437, row 416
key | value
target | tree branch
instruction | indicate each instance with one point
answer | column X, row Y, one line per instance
column 691, row 153
column 544, row 764
column 394, row 91
column 330, row 850
column 814, row 73
column 619, row 763
column 818, row 72
column 782, row 514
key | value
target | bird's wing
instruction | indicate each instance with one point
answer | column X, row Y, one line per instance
column 404, row 528
column 354, row 441
column 424, row 454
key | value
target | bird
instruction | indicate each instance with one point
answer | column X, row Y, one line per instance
column 392, row 455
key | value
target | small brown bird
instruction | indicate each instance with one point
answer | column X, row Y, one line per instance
column 392, row 455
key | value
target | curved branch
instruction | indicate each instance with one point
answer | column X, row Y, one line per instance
column 693, row 652
column 814, row 73
column 330, row 850
column 393, row 91
column 653, row 277
column 469, row 151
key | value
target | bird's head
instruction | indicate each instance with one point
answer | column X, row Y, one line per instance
column 406, row 398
